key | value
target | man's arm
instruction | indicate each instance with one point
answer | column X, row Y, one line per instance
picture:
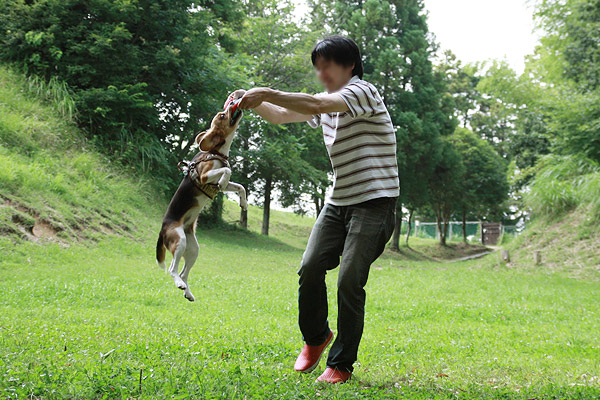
column 283, row 107
column 279, row 115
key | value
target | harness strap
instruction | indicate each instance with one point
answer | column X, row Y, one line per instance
column 189, row 168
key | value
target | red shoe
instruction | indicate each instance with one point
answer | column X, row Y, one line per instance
column 334, row 375
column 310, row 355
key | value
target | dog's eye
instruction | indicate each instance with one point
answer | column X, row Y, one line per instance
column 222, row 116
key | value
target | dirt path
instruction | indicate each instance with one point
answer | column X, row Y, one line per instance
column 478, row 255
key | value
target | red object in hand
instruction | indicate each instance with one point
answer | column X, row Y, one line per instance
column 232, row 102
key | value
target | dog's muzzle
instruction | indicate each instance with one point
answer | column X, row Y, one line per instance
column 236, row 112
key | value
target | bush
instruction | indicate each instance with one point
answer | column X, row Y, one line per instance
column 564, row 183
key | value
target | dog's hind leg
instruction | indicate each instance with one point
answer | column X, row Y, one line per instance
column 190, row 256
column 178, row 251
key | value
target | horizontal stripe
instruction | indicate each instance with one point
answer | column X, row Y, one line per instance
column 346, row 117
column 364, row 157
column 364, row 181
column 357, row 121
column 373, row 92
column 339, row 153
column 358, row 134
column 334, row 116
column 358, row 171
column 334, row 197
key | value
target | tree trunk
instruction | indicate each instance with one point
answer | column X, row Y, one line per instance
column 464, row 225
column 408, row 229
column 441, row 228
column 244, row 172
column 316, row 203
column 244, row 215
column 267, row 206
column 397, row 229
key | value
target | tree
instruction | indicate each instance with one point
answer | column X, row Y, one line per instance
column 484, row 183
column 275, row 158
column 461, row 85
column 446, row 186
column 568, row 63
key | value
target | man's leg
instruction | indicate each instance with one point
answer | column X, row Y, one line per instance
column 369, row 226
column 323, row 251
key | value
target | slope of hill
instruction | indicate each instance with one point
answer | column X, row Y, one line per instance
column 54, row 187
column 564, row 199
column 569, row 244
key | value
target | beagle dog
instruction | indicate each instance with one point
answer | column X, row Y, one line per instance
column 206, row 175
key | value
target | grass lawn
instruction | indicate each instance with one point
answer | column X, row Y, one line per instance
column 87, row 321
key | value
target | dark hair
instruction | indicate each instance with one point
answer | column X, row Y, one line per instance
column 341, row 50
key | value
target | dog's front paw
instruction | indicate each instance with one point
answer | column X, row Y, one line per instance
column 244, row 206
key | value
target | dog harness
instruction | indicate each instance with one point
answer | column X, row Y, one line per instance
column 190, row 169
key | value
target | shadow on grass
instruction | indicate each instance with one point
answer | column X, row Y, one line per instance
column 231, row 234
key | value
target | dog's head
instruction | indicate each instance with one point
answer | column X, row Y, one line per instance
column 222, row 130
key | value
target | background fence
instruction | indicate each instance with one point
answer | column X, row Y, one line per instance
column 429, row 230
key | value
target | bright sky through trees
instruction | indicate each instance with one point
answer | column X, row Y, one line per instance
column 477, row 30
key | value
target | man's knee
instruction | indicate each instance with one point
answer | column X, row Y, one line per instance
column 351, row 281
column 309, row 267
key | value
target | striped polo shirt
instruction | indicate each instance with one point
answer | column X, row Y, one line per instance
column 361, row 143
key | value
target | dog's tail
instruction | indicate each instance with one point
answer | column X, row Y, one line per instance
column 160, row 251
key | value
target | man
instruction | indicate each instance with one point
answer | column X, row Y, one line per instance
column 358, row 218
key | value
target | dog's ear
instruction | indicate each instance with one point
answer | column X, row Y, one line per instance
column 199, row 137
column 211, row 140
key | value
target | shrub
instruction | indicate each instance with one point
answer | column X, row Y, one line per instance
column 563, row 183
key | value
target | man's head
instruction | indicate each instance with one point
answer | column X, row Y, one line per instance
column 336, row 59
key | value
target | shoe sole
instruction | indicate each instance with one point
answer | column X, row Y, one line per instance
column 312, row 367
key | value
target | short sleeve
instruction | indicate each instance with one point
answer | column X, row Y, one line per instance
column 361, row 99
column 315, row 122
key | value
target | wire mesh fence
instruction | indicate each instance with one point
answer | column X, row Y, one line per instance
column 429, row 230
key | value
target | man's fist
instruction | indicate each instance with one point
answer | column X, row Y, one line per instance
column 253, row 98
column 236, row 95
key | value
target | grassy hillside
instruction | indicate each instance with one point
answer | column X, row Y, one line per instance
column 52, row 186
column 565, row 202
column 568, row 245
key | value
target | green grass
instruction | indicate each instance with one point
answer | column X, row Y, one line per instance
column 83, row 321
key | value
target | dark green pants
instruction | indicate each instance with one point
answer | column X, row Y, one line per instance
column 358, row 233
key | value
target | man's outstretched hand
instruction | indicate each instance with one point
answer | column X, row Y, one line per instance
column 236, row 95
column 253, row 98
